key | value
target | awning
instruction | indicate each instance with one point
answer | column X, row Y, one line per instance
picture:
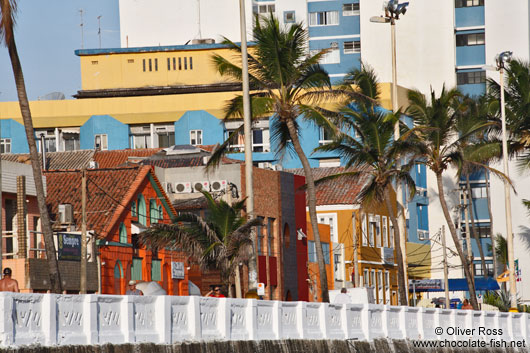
column 460, row 284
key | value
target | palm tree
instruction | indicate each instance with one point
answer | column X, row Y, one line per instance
column 288, row 85
column 8, row 9
column 219, row 241
column 371, row 151
column 436, row 130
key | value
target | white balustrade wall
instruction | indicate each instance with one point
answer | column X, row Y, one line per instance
column 49, row 319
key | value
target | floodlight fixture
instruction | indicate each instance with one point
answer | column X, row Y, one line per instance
column 503, row 58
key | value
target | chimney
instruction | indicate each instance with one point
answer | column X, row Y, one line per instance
column 21, row 217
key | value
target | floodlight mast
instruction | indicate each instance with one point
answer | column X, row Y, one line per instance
column 393, row 9
column 502, row 60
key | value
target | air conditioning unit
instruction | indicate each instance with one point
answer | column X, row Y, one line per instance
column 218, row 185
column 334, row 45
column 201, row 186
column 183, row 187
column 66, row 213
column 93, row 165
column 265, row 165
column 277, row 167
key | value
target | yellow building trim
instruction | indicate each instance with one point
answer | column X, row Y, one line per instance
column 419, row 260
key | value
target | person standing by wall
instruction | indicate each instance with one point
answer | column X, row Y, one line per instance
column 132, row 289
column 7, row 284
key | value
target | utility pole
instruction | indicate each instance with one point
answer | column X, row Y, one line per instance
column 247, row 121
column 355, row 248
column 99, row 30
column 446, row 270
column 83, row 234
column 468, row 235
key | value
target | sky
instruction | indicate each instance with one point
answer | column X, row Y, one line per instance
column 47, row 34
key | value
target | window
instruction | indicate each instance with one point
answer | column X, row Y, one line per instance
column 331, row 57
column 5, row 145
column 185, row 63
column 468, row 3
column 365, row 278
column 350, row 9
column 156, row 273
column 387, row 279
column 324, row 136
column 264, row 9
column 100, row 142
column 174, row 63
column 372, row 278
column 141, row 141
column 378, row 230
column 391, row 233
column 371, row 230
column 123, row 234
column 143, row 64
column 191, row 63
column 270, row 235
column 142, row 212
column 150, row 65
column 364, row 232
column 479, row 192
column 130, row 61
column 329, row 219
column 324, row 18
column 156, row 64
column 312, row 252
column 289, row 17
column 153, row 212
column 168, row 64
column 136, row 269
column 259, row 232
column 180, row 63
column 463, row 40
column 385, row 232
column 380, row 281
column 71, row 141
column 133, row 210
column 160, row 213
column 260, row 137
column 483, row 231
column 479, row 271
column 95, row 62
column 195, row 137
column 258, row 144
column 352, row 47
column 465, row 78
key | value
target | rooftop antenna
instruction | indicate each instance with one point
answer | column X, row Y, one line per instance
column 99, row 30
column 199, row 10
column 82, row 26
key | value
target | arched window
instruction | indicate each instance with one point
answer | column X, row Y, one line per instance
column 123, row 234
column 142, row 212
column 153, row 211
column 133, row 209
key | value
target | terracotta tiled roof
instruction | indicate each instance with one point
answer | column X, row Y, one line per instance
column 339, row 191
column 56, row 160
column 117, row 158
column 109, row 193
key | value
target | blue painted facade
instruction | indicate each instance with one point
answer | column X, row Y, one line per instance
column 473, row 55
column 347, row 29
column 469, row 16
column 117, row 132
column 13, row 130
column 212, row 128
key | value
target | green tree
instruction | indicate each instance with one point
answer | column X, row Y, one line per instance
column 8, row 10
column 367, row 145
column 219, row 241
column 288, row 85
column 436, row 129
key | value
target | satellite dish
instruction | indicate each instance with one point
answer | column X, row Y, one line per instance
column 53, row 96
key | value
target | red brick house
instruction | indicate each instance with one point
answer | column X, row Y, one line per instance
column 121, row 202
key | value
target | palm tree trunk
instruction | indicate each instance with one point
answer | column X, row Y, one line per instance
column 312, row 205
column 474, row 227
column 53, row 267
column 468, row 274
column 403, row 300
column 492, row 237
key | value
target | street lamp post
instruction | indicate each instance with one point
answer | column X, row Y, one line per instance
column 249, row 187
column 393, row 9
column 502, row 59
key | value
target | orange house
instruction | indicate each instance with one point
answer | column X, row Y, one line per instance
column 121, row 203
column 313, row 275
